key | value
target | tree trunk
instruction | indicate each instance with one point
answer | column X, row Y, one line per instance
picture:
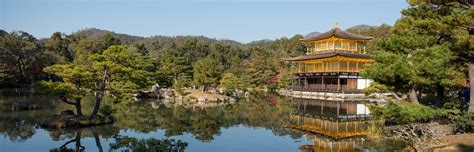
column 440, row 93
column 100, row 94
column 97, row 140
column 78, row 108
column 77, row 104
column 471, row 84
column 79, row 147
column 412, row 95
column 98, row 99
column 21, row 69
column 398, row 98
column 77, row 140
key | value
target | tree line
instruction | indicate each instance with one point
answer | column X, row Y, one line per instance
column 75, row 66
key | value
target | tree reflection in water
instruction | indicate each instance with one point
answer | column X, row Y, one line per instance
column 75, row 136
column 148, row 145
column 205, row 123
column 259, row 111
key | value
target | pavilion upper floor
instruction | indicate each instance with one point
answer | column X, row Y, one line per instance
column 335, row 40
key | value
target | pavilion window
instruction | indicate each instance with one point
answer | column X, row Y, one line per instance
column 333, row 66
column 331, row 45
column 324, row 46
column 357, row 48
column 337, row 44
column 345, row 46
column 305, row 68
column 301, row 68
column 317, row 47
column 357, row 66
column 360, row 46
column 329, row 66
column 343, row 66
column 320, row 67
column 352, row 66
column 326, row 67
column 352, row 46
column 311, row 68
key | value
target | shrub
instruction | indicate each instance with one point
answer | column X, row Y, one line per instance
column 106, row 110
column 404, row 113
column 462, row 123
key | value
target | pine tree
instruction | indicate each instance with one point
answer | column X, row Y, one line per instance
column 426, row 51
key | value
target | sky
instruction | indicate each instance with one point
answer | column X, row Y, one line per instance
column 240, row 20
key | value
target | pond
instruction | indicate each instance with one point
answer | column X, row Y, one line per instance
column 263, row 122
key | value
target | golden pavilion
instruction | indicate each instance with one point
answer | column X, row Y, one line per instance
column 332, row 63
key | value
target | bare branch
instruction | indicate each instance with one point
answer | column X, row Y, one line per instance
column 64, row 99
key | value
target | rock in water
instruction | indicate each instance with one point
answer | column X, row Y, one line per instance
column 21, row 105
column 155, row 88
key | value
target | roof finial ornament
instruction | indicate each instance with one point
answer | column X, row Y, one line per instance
column 336, row 26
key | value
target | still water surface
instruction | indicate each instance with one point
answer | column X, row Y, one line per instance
column 254, row 124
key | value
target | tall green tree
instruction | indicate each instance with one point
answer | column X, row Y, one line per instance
column 117, row 71
column 4, row 74
column 108, row 40
column 83, row 48
column 21, row 53
column 412, row 63
column 76, row 81
column 285, row 78
column 425, row 52
column 231, row 83
column 175, row 65
column 258, row 69
column 56, row 49
column 207, row 73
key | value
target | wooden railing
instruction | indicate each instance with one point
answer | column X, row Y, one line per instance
column 326, row 88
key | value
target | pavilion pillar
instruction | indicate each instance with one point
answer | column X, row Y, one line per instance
column 357, row 48
column 299, row 82
column 305, row 82
column 338, row 83
column 338, row 77
column 356, row 82
column 347, row 111
column 357, row 67
column 348, row 68
column 323, row 87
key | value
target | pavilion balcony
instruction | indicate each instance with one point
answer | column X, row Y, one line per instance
column 333, row 88
column 334, row 64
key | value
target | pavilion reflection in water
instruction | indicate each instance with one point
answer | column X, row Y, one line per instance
column 331, row 125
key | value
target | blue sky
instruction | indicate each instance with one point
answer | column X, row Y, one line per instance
column 241, row 20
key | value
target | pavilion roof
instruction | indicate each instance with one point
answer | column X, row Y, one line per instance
column 335, row 32
column 328, row 55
